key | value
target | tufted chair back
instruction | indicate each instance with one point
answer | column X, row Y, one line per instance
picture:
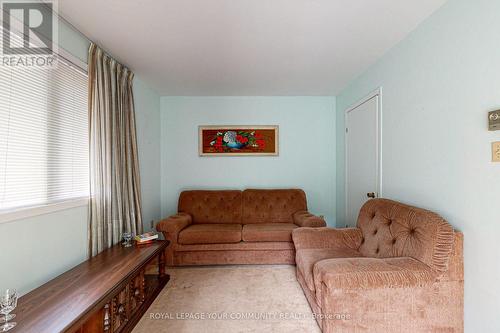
column 393, row 229
column 211, row 206
column 272, row 206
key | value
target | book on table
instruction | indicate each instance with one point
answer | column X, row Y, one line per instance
column 146, row 238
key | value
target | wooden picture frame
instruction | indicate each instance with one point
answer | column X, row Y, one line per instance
column 238, row 140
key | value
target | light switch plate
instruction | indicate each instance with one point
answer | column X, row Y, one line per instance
column 495, row 151
column 494, row 120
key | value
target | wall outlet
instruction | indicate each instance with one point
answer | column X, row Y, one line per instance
column 495, row 151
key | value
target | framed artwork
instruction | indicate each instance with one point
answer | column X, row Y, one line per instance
column 238, row 140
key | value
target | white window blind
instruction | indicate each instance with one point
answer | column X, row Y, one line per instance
column 43, row 135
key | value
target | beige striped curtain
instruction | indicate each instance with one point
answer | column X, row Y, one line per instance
column 115, row 203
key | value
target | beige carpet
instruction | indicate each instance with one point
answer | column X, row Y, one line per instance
column 230, row 299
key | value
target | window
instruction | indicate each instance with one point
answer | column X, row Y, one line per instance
column 43, row 135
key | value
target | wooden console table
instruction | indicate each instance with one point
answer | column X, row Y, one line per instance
column 105, row 294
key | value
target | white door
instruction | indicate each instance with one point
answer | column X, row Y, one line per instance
column 362, row 155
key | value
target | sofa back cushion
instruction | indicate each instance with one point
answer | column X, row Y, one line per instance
column 211, row 206
column 272, row 206
column 393, row 229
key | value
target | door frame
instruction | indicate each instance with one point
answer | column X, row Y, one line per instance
column 375, row 93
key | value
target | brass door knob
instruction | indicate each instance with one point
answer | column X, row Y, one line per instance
column 370, row 195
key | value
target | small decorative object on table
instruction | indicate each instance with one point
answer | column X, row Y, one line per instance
column 146, row 238
column 127, row 239
column 8, row 302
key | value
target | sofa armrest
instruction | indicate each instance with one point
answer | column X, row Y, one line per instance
column 324, row 238
column 172, row 225
column 305, row 219
column 170, row 228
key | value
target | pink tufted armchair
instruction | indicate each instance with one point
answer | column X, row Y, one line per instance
column 400, row 270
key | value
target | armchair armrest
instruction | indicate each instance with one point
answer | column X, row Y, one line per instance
column 172, row 225
column 305, row 219
column 325, row 238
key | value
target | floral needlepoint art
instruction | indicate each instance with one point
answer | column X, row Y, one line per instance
column 238, row 140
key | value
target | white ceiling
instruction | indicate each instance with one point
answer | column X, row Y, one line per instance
column 247, row 47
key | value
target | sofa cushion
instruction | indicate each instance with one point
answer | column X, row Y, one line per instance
column 268, row 232
column 211, row 206
column 272, row 206
column 240, row 246
column 210, row 234
column 306, row 258
column 369, row 273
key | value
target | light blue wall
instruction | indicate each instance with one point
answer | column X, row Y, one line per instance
column 307, row 147
column 438, row 85
column 34, row 250
column 147, row 116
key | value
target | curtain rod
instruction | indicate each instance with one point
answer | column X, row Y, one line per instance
column 75, row 29
column 88, row 39
column 72, row 27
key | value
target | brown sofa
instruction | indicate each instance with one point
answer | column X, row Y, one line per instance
column 400, row 270
column 236, row 227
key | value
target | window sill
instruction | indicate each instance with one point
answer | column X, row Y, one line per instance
column 23, row 213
